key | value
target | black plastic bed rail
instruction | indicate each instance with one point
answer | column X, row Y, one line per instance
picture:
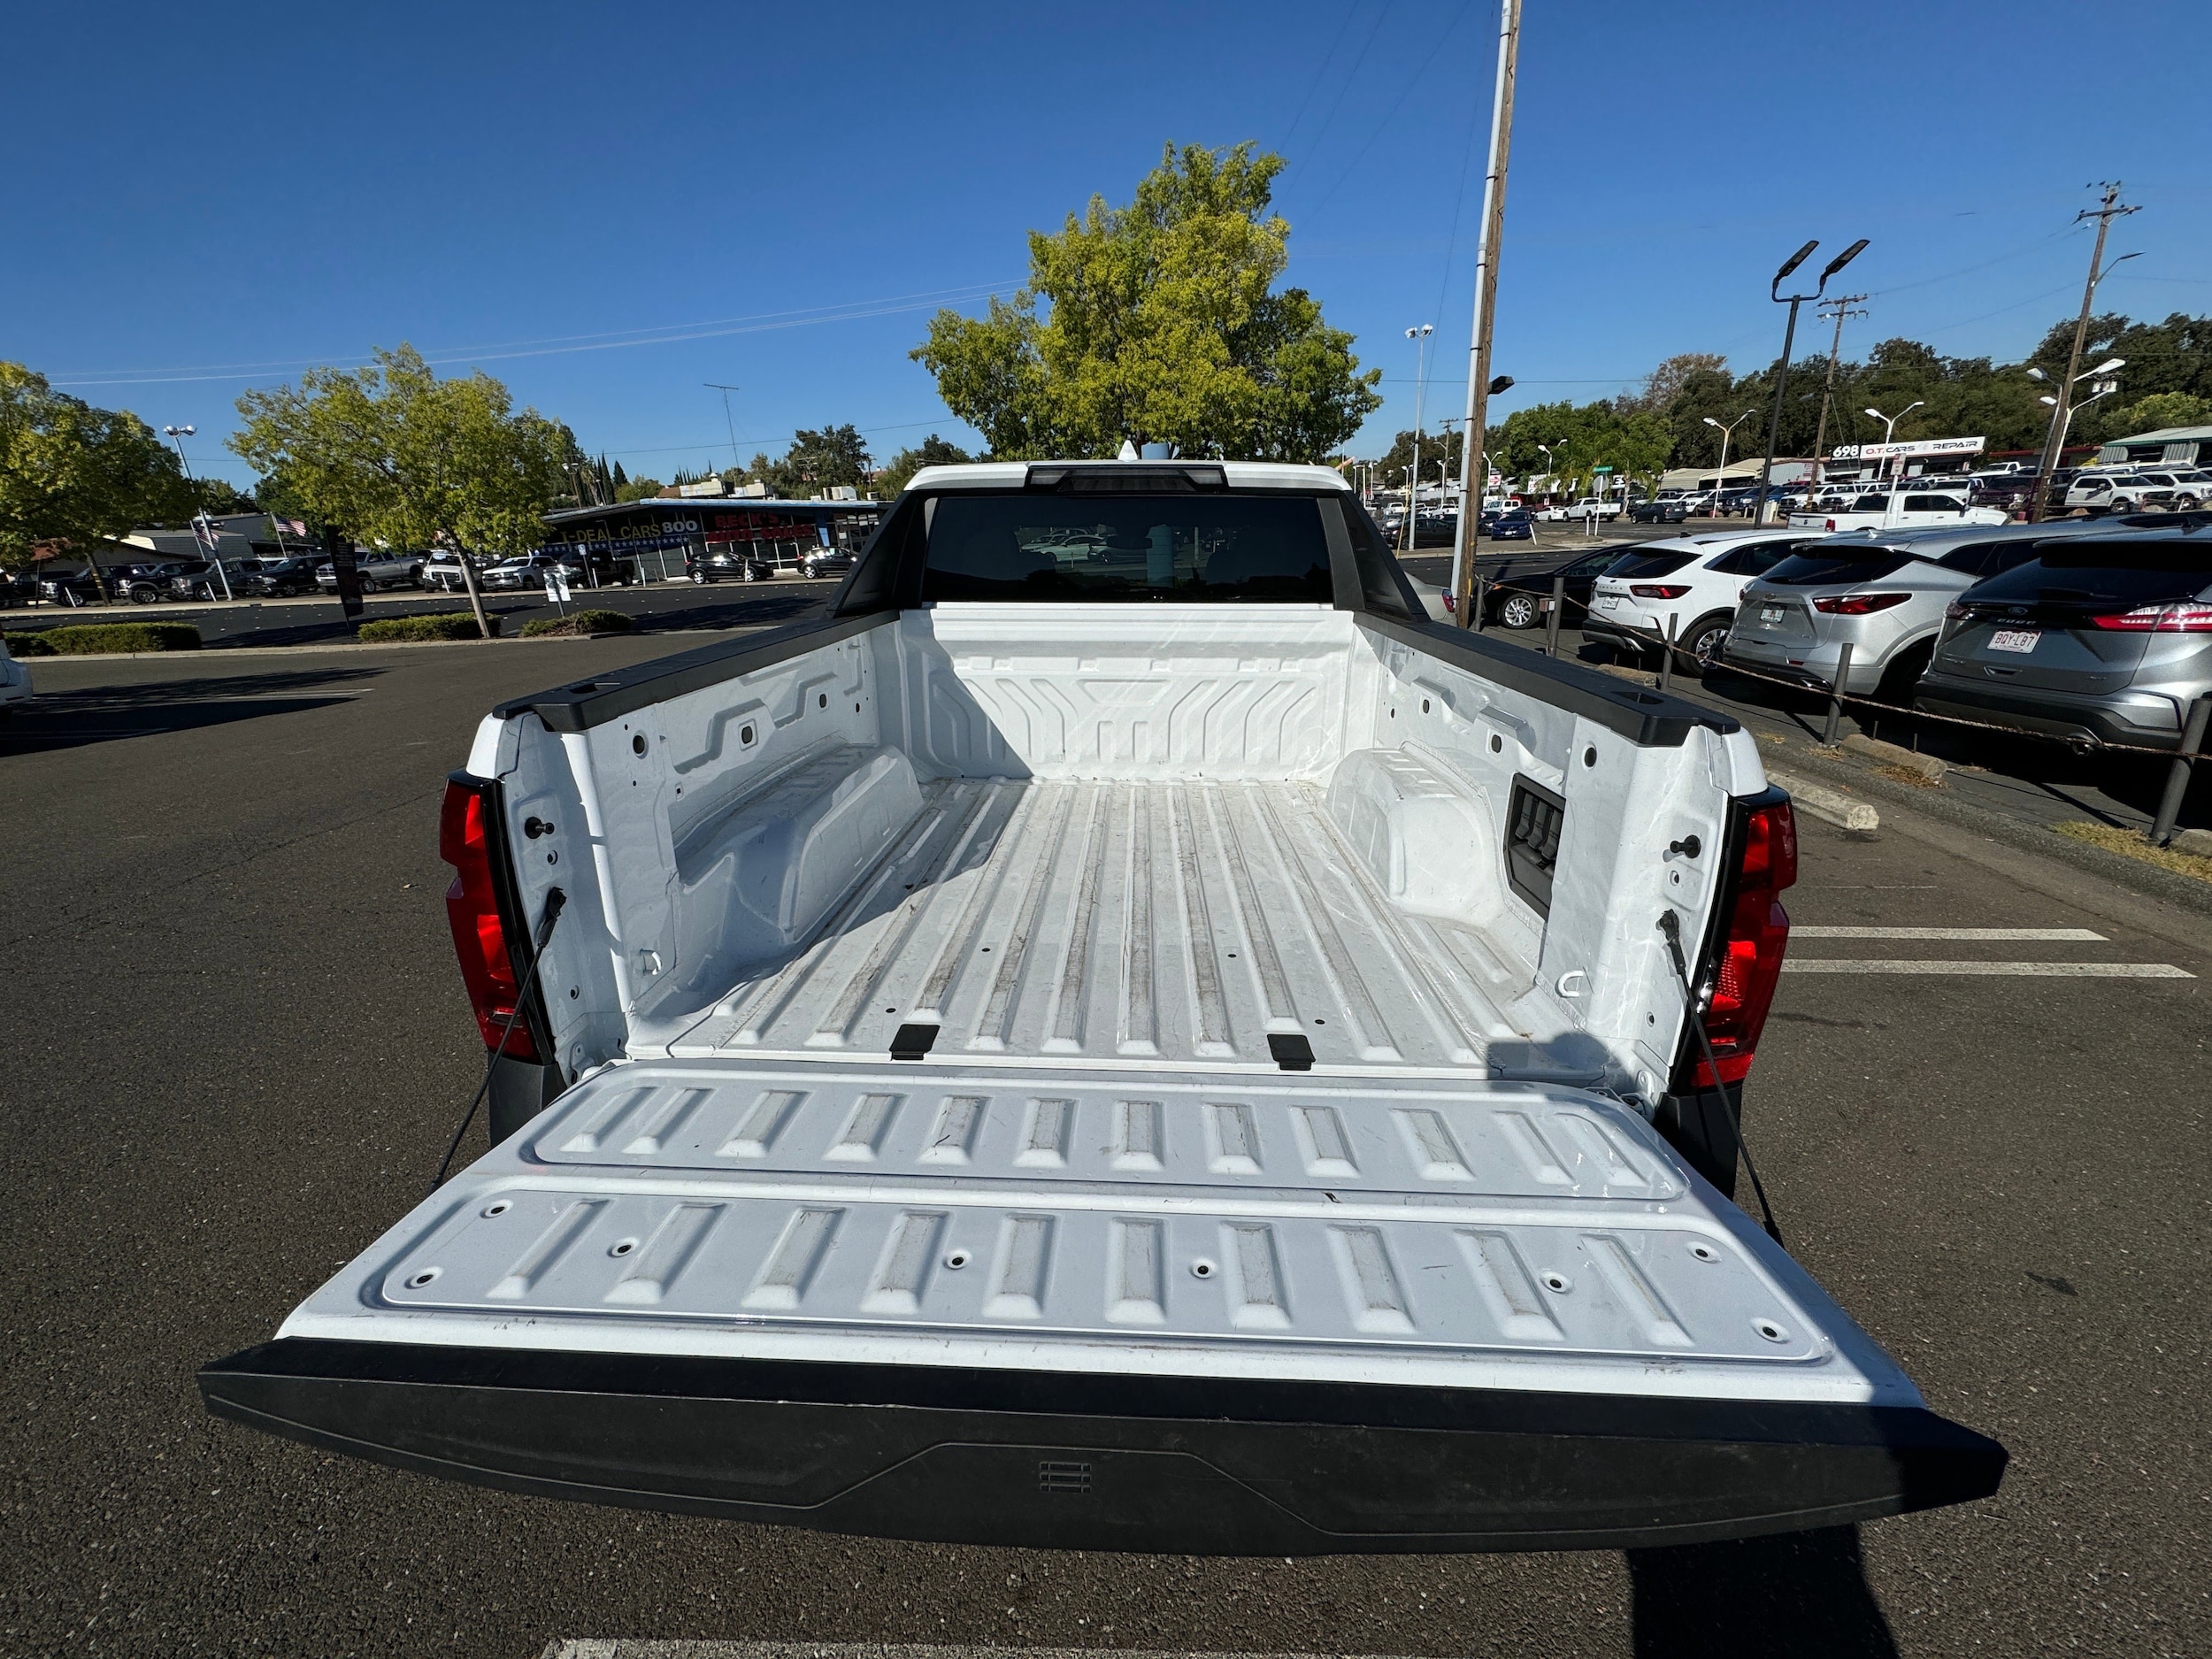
column 1082, row 1461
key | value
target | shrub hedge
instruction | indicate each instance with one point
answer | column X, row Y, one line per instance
column 444, row 624
column 91, row 638
column 579, row 622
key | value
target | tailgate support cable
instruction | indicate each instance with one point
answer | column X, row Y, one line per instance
column 1672, row 927
column 556, row 901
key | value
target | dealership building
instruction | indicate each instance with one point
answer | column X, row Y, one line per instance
column 660, row 534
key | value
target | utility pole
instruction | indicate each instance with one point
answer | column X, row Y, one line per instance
column 2053, row 446
column 1843, row 303
column 1474, row 467
column 728, row 420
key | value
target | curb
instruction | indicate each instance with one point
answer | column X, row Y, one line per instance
column 1856, row 817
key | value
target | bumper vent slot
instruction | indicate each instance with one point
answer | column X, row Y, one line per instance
column 1531, row 842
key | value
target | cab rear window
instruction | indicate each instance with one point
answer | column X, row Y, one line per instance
column 1181, row 548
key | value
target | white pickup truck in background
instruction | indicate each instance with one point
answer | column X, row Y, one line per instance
column 1895, row 510
column 1128, row 1039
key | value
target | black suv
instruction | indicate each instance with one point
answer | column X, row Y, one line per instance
column 275, row 579
column 142, row 584
column 726, row 561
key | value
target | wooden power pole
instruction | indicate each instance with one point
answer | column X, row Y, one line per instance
column 2104, row 214
column 1474, row 466
column 1843, row 304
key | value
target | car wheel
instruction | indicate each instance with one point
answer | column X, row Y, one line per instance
column 1704, row 638
column 698, row 579
column 143, row 596
column 2120, row 503
column 2184, row 504
column 1518, row 610
column 751, row 573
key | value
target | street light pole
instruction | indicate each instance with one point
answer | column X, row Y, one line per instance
column 1789, row 341
column 1721, row 476
column 1474, row 470
column 727, row 418
column 1420, row 338
column 1889, row 430
column 177, row 435
column 2054, row 444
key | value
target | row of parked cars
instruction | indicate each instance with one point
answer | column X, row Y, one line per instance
column 2096, row 630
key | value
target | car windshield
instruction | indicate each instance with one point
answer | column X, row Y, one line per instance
column 2105, row 572
column 1820, row 570
column 1203, row 548
column 1646, row 565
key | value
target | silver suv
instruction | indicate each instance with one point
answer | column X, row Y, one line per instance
column 2106, row 638
column 1882, row 593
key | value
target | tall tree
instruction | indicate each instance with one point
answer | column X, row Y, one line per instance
column 815, row 462
column 74, row 474
column 932, row 451
column 1158, row 322
column 393, row 454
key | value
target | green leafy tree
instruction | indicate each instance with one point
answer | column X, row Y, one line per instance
column 1582, row 437
column 1158, row 322
column 932, row 451
column 816, row 461
column 637, row 489
column 73, row 474
column 395, row 455
column 2155, row 413
column 220, row 495
column 1436, row 447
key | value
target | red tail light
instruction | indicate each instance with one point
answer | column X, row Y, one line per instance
column 2183, row 618
column 1858, row 604
column 480, row 934
column 1751, row 950
column 1658, row 590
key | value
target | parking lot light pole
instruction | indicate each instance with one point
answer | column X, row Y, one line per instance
column 1889, row 428
column 177, row 435
column 1789, row 342
column 1420, row 338
column 1713, row 508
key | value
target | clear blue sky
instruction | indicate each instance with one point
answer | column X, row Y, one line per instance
column 607, row 208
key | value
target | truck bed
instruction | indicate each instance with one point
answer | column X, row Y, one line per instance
column 1131, row 923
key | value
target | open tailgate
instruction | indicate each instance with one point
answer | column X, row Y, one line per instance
column 1109, row 1309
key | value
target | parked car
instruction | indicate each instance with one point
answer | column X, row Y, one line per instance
column 142, row 584
column 377, row 571
column 18, row 587
column 1517, row 591
column 1697, row 580
column 726, row 561
column 70, row 587
column 15, row 681
column 1884, row 596
column 824, row 561
column 213, row 579
column 275, row 579
column 836, row 1190
column 1513, row 525
column 1896, row 509
column 441, row 573
column 2103, row 638
column 1660, row 509
column 530, row 570
column 1576, row 511
column 2182, row 489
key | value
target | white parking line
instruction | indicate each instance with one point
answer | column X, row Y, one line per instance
column 1986, row 933
column 2020, row 969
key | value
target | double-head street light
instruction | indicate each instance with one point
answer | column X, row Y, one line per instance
column 1720, row 478
column 2099, row 387
column 1889, row 430
column 1789, row 341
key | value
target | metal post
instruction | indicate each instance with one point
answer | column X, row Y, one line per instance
column 2177, row 776
column 1835, row 697
column 1475, row 622
column 1666, row 656
column 1551, row 624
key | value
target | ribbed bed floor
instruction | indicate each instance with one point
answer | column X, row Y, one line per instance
column 1130, row 923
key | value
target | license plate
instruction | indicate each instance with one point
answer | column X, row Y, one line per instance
column 1611, row 601
column 1770, row 613
column 2021, row 641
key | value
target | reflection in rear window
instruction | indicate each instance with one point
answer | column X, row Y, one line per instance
column 1177, row 547
column 2129, row 572
column 1820, row 570
column 1643, row 566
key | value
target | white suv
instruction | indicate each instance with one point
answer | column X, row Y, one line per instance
column 1698, row 580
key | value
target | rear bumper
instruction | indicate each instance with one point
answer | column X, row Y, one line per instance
column 1081, row 1462
column 2144, row 719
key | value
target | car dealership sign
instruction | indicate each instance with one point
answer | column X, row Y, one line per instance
column 1919, row 451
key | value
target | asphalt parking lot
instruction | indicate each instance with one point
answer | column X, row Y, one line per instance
column 238, row 1044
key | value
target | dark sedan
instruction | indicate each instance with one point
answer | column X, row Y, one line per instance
column 726, row 561
column 1514, row 525
column 1670, row 509
column 1518, row 589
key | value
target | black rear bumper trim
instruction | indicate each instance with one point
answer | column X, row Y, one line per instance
column 1199, row 1465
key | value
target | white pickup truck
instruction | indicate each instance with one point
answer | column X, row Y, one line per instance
column 1897, row 510
column 1129, row 1041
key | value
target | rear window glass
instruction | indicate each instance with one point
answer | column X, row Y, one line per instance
column 2133, row 573
column 1818, row 570
column 1174, row 547
column 1645, row 566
